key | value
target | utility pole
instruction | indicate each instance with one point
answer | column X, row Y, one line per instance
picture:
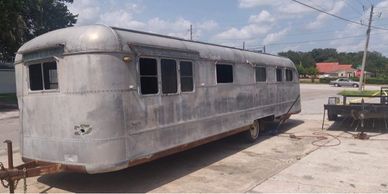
column 361, row 84
column 244, row 45
column 264, row 49
column 191, row 32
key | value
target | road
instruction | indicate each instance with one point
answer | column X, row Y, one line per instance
column 312, row 161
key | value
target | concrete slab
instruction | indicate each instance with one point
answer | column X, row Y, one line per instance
column 353, row 166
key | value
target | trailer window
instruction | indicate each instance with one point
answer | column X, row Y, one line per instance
column 50, row 75
column 224, row 73
column 148, row 76
column 186, row 70
column 43, row 76
column 169, row 76
column 289, row 75
column 36, row 80
column 279, row 74
column 261, row 74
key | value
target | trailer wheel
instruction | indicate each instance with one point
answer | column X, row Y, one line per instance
column 253, row 133
column 332, row 116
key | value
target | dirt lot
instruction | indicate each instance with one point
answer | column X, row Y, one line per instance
column 302, row 158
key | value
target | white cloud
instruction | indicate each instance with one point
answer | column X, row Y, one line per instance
column 109, row 12
column 322, row 17
column 209, row 25
column 381, row 8
column 349, row 44
column 273, row 37
column 255, row 3
column 263, row 16
column 88, row 11
column 180, row 27
column 120, row 18
column 293, row 8
column 250, row 31
column 159, row 25
column 114, row 13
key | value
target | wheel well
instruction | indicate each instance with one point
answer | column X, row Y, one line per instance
column 268, row 118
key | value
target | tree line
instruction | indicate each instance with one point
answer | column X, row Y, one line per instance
column 22, row 20
column 305, row 61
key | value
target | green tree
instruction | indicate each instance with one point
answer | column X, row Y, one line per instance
column 305, row 59
column 376, row 63
column 301, row 70
column 22, row 20
column 323, row 55
column 313, row 72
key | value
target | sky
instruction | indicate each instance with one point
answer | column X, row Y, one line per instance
column 280, row 25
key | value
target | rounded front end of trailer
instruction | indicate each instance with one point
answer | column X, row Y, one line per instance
column 71, row 85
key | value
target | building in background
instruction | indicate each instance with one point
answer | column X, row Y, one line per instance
column 7, row 78
column 334, row 69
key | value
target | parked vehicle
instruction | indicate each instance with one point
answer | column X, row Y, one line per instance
column 344, row 82
column 100, row 99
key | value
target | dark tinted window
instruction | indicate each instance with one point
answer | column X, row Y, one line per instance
column 50, row 75
column 148, row 76
column 46, row 79
column 36, row 80
column 224, row 73
column 186, row 70
column 279, row 74
column 289, row 75
column 169, row 76
column 261, row 74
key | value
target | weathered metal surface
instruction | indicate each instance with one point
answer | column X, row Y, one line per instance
column 98, row 89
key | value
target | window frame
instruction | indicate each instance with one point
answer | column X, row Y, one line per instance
column 292, row 74
column 266, row 73
column 41, row 61
column 179, row 75
column 158, row 72
column 296, row 74
column 159, row 75
column 276, row 74
column 233, row 73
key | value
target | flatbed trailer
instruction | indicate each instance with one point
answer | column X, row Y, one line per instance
column 360, row 110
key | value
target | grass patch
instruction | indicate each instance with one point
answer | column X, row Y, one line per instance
column 8, row 98
column 359, row 93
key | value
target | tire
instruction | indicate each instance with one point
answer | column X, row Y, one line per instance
column 332, row 116
column 336, row 85
column 253, row 133
column 355, row 85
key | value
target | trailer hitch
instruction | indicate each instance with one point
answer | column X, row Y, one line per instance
column 9, row 177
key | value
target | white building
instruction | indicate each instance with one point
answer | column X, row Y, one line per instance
column 7, row 78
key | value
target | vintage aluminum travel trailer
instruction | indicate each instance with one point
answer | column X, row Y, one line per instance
column 97, row 99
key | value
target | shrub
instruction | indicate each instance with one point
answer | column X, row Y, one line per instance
column 373, row 80
column 326, row 80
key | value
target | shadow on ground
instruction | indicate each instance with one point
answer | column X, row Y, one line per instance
column 146, row 177
column 370, row 125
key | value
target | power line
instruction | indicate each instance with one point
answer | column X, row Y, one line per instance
column 312, row 41
column 336, row 16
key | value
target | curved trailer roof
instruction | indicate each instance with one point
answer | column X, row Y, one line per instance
column 101, row 38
